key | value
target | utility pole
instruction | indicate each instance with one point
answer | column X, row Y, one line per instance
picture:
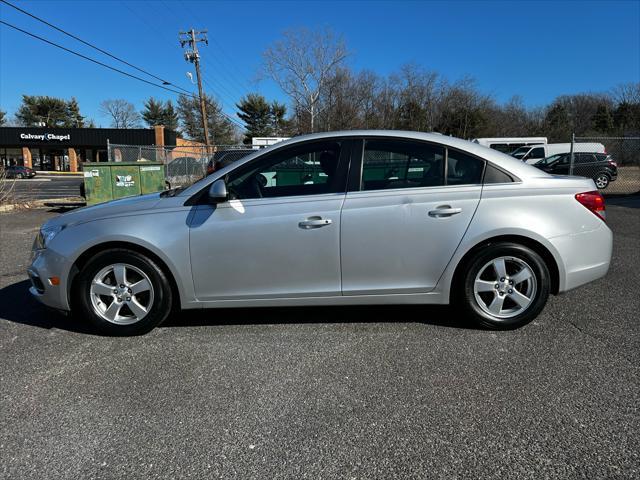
column 192, row 38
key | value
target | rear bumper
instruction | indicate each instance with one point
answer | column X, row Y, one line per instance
column 586, row 256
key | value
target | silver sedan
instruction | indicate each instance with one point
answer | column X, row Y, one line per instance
column 342, row 218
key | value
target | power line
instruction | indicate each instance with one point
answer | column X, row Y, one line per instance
column 231, row 75
column 164, row 82
column 93, row 60
column 232, row 81
column 213, row 88
column 97, row 62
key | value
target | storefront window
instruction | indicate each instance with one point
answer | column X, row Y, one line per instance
column 11, row 156
column 35, row 159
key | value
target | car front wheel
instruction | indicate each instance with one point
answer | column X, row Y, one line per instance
column 506, row 285
column 122, row 292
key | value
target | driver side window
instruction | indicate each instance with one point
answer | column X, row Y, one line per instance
column 308, row 170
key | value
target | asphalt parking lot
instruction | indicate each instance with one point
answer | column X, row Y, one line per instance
column 393, row 392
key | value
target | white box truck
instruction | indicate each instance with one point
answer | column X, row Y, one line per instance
column 509, row 144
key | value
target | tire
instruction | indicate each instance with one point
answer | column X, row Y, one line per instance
column 602, row 181
column 20, row 176
column 510, row 305
column 113, row 310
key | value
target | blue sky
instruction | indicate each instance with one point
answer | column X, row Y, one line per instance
column 537, row 50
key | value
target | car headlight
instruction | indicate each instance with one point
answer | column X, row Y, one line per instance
column 45, row 235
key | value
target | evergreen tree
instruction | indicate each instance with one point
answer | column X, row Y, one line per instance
column 221, row 129
column 602, row 120
column 153, row 113
column 50, row 111
column 73, row 110
column 3, row 117
column 558, row 126
column 279, row 125
column 256, row 114
column 170, row 116
column 157, row 112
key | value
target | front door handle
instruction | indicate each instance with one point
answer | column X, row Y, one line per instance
column 444, row 211
column 314, row 222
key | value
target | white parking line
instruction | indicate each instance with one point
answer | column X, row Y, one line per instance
column 31, row 180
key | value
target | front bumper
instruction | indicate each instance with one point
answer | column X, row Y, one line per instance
column 45, row 265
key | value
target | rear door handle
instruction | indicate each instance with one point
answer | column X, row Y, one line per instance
column 314, row 222
column 444, row 211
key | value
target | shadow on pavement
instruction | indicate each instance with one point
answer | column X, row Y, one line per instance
column 17, row 305
column 428, row 314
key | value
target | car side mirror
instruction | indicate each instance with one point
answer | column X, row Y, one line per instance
column 218, row 192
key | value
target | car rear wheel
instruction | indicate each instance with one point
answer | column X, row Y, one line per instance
column 602, row 181
column 506, row 285
column 122, row 292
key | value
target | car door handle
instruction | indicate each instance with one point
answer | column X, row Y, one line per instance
column 314, row 222
column 444, row 211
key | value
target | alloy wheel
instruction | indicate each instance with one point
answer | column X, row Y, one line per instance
column 505, row 287
column 121, row 294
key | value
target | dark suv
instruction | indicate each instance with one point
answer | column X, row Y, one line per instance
column 17, row 171
column 598, row 166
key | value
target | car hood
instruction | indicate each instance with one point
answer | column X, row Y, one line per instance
column 113, row 208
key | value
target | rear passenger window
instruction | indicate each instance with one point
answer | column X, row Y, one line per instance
column 401, row 164
column 463, row 169
column 584, row 157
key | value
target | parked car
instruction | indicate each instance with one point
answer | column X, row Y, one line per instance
column 17, row 171
column 222, row 158
column 533, row 154
column 598, row 166
column 342, row 218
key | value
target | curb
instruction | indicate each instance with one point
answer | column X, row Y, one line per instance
column 72, row 202
column 56, row 174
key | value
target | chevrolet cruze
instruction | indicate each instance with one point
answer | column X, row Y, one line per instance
column 341, row 218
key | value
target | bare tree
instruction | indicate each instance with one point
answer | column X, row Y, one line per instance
column 123, row 114
column 627, row 93
column 302, row 63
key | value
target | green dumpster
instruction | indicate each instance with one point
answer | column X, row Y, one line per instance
column 104, row 181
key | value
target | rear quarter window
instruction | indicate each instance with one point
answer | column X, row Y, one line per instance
column 495, row 175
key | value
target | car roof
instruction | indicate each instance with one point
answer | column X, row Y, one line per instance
column 513, row 165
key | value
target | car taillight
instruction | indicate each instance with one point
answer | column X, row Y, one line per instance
column 594, row 201
column 612, row 163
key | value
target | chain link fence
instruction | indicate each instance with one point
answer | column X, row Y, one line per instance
column 612, row 162
column 184, row 165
